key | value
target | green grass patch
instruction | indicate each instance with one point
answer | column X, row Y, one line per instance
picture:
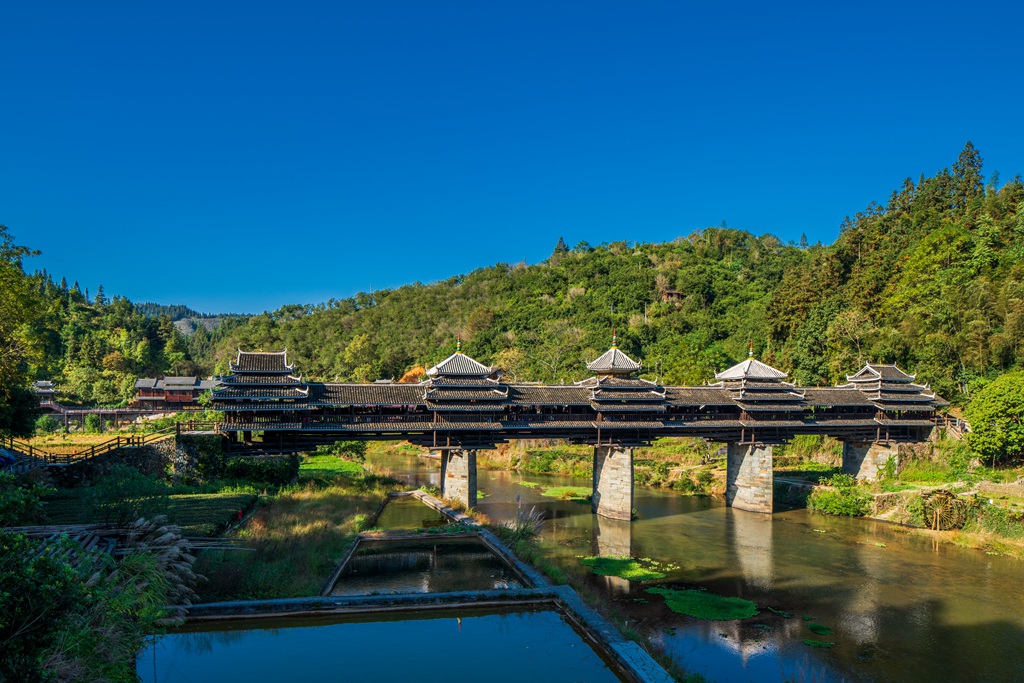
column 929, row 472
column 622, row 567
column 703, row 605
column 328, row 466
column 568, row 492
column 820, row 629
column 529, row 484
column 817, row 643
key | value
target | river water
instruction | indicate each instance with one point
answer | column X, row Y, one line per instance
column 902, row 607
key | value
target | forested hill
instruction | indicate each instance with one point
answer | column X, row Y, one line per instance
column 932, row 281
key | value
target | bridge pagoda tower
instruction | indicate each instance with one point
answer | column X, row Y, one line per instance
column 903, row 407
column 261, row 389
column 767, row 404
column 462, row 390
column 617, row 395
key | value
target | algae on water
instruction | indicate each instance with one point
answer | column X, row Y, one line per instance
column 622, row 567
column 704, row 605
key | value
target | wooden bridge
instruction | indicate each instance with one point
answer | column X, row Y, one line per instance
column 463, row 406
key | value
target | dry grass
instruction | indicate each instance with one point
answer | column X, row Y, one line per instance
column 293, row 542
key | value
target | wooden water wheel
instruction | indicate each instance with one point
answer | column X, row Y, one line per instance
column 943, row 510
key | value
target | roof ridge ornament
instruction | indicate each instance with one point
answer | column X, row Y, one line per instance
column 458, row 342
column 750, row 353
column 615, row 338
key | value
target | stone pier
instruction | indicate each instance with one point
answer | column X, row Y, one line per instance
column 749, row 478
column 864, row 460
column 613, row 482
column 458, row 476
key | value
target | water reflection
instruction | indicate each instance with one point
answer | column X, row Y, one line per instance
column 500, row 647
column 902, row 608
column 433, row 565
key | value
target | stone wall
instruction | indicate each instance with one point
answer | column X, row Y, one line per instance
column 613, row 482
column 458, row 476
column 864, row 460
column 749, row 478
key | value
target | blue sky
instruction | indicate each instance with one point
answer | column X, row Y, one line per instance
column 237, row 157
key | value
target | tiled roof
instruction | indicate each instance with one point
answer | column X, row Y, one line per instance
column 548, row 395
column 628, row 407
column 366, row 394
column 835, row 397
column 463, row 395
column 773, row 407
column 463, row 382
column 872, row 371
column 180, row 381
column 460, row 365
column 708, row 396
column 626, row 395
column 259, row 361
column 252, row 393
column 146, row 383
column 259, row 379
column 751, row 369
column 613, row 361
column 448, row 406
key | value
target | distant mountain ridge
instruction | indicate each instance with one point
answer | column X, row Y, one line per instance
column 187, row 320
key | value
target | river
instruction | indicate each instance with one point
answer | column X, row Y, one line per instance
column 902, row 607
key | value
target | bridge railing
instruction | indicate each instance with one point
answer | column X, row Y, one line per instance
column 66, row 454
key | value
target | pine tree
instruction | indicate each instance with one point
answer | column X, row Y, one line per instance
column 803, row 240
column 101, row 300
column 561, row 247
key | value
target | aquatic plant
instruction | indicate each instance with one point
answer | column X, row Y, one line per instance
column 526, row 526
column 622, row 567
column 820, row 629
column 700, row 604
column 817, row 643
column 568, row 492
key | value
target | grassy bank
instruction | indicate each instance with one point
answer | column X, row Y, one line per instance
column 990, row 500
column 294, row 540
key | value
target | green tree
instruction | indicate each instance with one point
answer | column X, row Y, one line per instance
column 996, row 416
column 19, row 306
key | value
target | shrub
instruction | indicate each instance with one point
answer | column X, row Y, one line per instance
column 350, row 450
column 845, row 501
column 93, row 424
column 273, row 470
column 20, row 504
column 684, row 484
column 46, row 424
column 704, row 479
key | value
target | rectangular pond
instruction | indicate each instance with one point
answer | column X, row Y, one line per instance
column 433, row 564
column 408, row 512
column 497, row 646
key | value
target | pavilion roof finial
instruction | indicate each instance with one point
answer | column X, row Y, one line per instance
column 750, row 353
column 615, row 338
column 458, row 342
